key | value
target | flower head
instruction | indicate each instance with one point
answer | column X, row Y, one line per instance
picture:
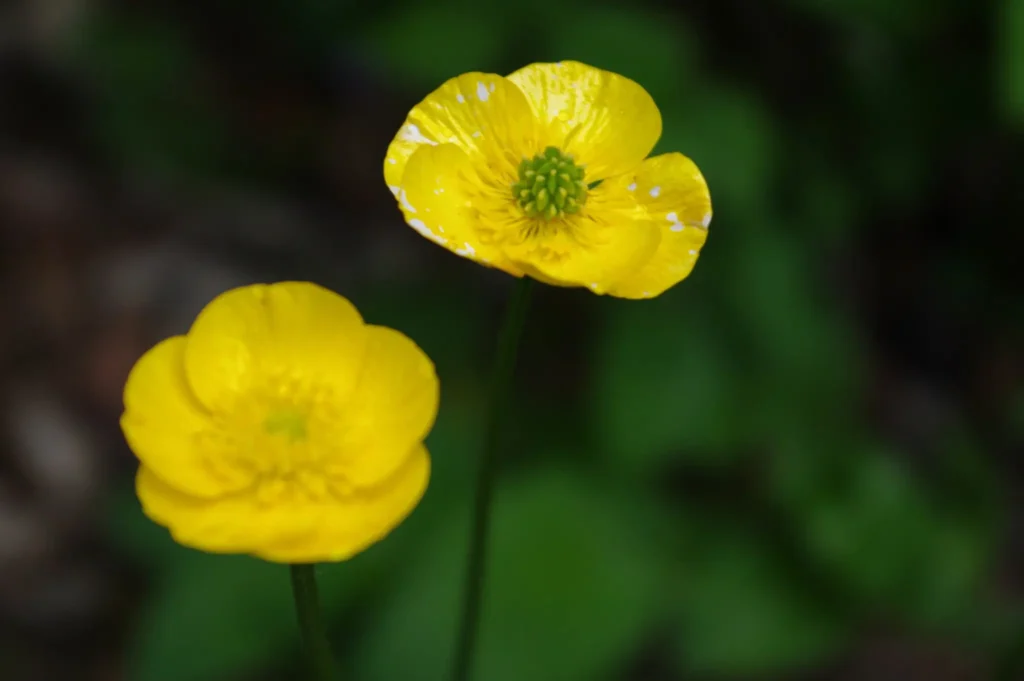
column 281, row 426
column 545, row 174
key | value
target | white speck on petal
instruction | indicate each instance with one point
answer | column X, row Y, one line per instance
column 492, row 87
column 693, row 252
column 477, row 134
column 706, row 221
column 632, row 187
column 422, row 228
column 481, row 92
column 394, row 189
column 392, row 161
column 440, row 229
column 459, row 98
column 655, row 191
column 646, row 294
column 412, row 134
column 674, row 219
column 593, row 287
column 467, row 251
column 404, row 201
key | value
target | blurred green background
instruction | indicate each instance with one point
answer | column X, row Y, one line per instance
column 801, row 463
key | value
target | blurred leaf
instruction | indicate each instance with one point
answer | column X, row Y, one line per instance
column 448, row 328
column 884, row 539
column 655, row 49
column 743, row 612
column 807, row 365
column 215, row 617
column 827, row 204
column 570, row 590
column 135, row 535
column 664, row 386
column 1010, row 27
column 729, row 134
column 151, row 108
column 426, row 44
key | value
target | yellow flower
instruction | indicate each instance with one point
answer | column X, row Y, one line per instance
column 281, row 426
column 545, row 173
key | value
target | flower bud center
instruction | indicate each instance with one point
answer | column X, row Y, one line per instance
column 550, row 185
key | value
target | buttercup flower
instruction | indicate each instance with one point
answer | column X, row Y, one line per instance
column 281, row 426
column 545, row 173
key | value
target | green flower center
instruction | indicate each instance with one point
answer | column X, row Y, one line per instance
column 288, row 424
column 550, row 185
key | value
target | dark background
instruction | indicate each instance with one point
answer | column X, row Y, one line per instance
column 802, row 463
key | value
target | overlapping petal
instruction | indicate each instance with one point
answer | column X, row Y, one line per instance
column 292, row 328
column 606, row 121
column 605, row 243
column 163, row 422
column 675, row 198
column 392, row 409
column 302, row 530
column 481, row 113
column 438, row 201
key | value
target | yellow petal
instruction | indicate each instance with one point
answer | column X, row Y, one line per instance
column 294, row 329
column 675, row 196
column 392, row 410
column 602, row 244
column 162, row 422
column 294, row 529
column 606, row 121
column 440, row 199
column 481, row 113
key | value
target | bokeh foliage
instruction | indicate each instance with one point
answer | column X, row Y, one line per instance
column 710, row 490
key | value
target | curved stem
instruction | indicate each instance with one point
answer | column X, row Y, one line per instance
column 314, row 636
column 508, row 349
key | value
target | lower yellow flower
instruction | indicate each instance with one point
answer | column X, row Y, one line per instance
column 545, row 173
column 281, row 426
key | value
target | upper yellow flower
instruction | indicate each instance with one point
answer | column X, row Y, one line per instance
column 543, row 173
column 281, row 426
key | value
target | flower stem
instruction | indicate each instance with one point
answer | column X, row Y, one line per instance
column 314, row 637
column 508, row 349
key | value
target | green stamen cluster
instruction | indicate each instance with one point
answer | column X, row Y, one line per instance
column 550, row 185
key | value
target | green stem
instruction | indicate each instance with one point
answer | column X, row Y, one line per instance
column 314, row 637
column 505, row 364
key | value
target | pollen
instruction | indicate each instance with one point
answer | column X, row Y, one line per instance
column 550, row 185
